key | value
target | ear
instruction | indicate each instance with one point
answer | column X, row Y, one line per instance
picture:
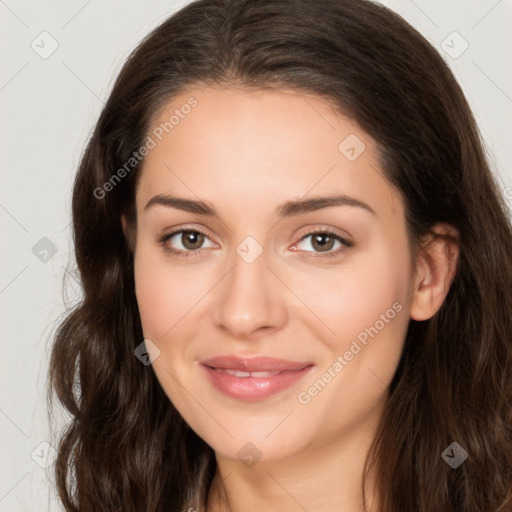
column 436, row 265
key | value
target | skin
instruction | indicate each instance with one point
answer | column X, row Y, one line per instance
column 246, row 153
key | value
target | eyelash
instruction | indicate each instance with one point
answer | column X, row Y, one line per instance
column 346, row 244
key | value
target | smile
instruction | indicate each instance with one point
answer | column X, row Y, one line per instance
column 253, row 379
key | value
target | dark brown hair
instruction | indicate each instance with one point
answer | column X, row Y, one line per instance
column 126, row 447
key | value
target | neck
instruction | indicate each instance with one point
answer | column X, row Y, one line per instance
column 322, row 478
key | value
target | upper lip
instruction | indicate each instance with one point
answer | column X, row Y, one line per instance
column 255, row 364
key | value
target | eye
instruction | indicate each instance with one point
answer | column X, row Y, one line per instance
column 185, row 242
column 189, row 242
column 323, row 242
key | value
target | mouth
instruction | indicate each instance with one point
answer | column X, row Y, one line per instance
column 241, row 373
column 253, row 379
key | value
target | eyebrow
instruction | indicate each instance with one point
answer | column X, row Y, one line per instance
column 288, row 209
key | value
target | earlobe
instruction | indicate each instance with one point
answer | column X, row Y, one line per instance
column 436, row 266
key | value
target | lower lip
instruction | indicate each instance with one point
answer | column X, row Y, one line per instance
column 252, row 389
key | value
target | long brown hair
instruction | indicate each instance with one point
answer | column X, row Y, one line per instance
column 126, row 447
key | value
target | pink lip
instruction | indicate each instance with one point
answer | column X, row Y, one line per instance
column 253, row 388
column 254, row 364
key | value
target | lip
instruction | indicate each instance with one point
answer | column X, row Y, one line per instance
column 254, row 364
column 228, row 374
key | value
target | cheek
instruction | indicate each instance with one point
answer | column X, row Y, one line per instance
column 367, row 310
column 166, row 292
column 366, row 292
column 166, row 296
column 156, row 298
column 156, row 289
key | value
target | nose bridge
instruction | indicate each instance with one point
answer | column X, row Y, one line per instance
column 249, row 299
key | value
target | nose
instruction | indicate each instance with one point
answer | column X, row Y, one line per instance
column 250, row 300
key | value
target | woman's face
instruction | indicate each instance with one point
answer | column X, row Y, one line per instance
column 244, row 186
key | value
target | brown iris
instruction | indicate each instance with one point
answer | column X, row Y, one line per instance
column 322, row 242
column 192, row 240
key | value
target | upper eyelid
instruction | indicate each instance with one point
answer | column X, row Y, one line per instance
column 323, row 229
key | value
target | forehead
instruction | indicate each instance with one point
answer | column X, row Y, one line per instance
column 250, row 148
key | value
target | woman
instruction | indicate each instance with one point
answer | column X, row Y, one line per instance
column 296, row 268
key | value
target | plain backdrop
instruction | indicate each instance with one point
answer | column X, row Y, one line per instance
column 58, row 62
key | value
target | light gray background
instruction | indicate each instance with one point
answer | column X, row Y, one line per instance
column 48, row 107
